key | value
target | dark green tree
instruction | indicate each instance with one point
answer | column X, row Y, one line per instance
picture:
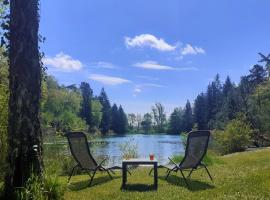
column 106, row 112
column 214, row 101
column 176, row 121
column 115, row 119
column 257, row 75
column 147, row 123
column 187, row 117
column 86, row 109
column 123, row 122
column 200, row 112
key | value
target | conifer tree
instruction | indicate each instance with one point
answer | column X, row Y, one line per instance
column 106, row 112
column 86, row 109
column 187, row 117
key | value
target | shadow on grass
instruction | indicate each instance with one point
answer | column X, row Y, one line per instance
column 194, row 185
column 139, row 187
column 80, row 185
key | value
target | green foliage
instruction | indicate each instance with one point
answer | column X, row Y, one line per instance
column 236, row 136
column 119, row 121
column 159, row 116
column 123, row 122
column 61, row 107
column 106, row 112
column 86, row 109
column 187, row 118
column 259, row 104
column 96, row 112
column 200, row 111
column 176, row 121
column 50, row 189
column 147, row 123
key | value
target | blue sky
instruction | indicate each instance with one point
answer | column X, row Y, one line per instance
column 147, row 51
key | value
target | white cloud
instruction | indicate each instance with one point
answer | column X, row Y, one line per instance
column 136, row 91
column 108, row 80
column 139, row 88
column 102, row 64
column 190, row 50
column 153, row 65
column 63, row 62
column 148, row 40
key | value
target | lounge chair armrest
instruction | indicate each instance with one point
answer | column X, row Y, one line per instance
column 172, row 161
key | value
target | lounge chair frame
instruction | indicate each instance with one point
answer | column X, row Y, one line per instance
column 198, row 165
column 97, row 167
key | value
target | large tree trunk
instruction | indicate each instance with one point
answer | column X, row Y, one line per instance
column 24, row 133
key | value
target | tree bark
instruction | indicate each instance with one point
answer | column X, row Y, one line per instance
column 24, row 132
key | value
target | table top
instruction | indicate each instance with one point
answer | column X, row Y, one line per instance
column 139, row 161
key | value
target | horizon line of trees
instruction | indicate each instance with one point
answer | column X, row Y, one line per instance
column 216, row 107
column 67, row 108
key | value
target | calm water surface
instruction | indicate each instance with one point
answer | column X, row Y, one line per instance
column 162, row 146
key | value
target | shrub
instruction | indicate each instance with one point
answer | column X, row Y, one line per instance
column 129, row 150
column 34, row 189
column 236, row 136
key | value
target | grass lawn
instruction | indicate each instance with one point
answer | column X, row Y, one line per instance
column 239, row 176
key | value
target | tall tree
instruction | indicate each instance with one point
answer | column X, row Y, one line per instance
column 147, row 122
column 24, row 132
column 115, row 119
column 230, row 102
column 200, row 112
column 106, row 112
column 123, row 122
column 96, row 113
column 86, row 109
column 176, row 121
column 159, row 116
column 188, row 117
column 257, row 75
column 214, row 100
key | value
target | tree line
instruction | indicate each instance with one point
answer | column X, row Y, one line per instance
column 214, row 108
column 66, row 108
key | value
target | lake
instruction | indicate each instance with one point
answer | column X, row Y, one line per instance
column 111, row 147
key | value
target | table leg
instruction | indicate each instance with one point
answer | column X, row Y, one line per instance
column 124, row 175
column 155, row 176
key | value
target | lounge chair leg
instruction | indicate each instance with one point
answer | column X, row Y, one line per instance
column 72, row 172
column 109, row 174
column 190, row 173
column 184, row 178
column 92, row 177
column 168, row 173
column 208, row 172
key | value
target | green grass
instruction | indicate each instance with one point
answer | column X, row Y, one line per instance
column 237, row 176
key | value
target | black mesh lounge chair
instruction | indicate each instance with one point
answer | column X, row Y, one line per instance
column 80, row 151
column 197, row 144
